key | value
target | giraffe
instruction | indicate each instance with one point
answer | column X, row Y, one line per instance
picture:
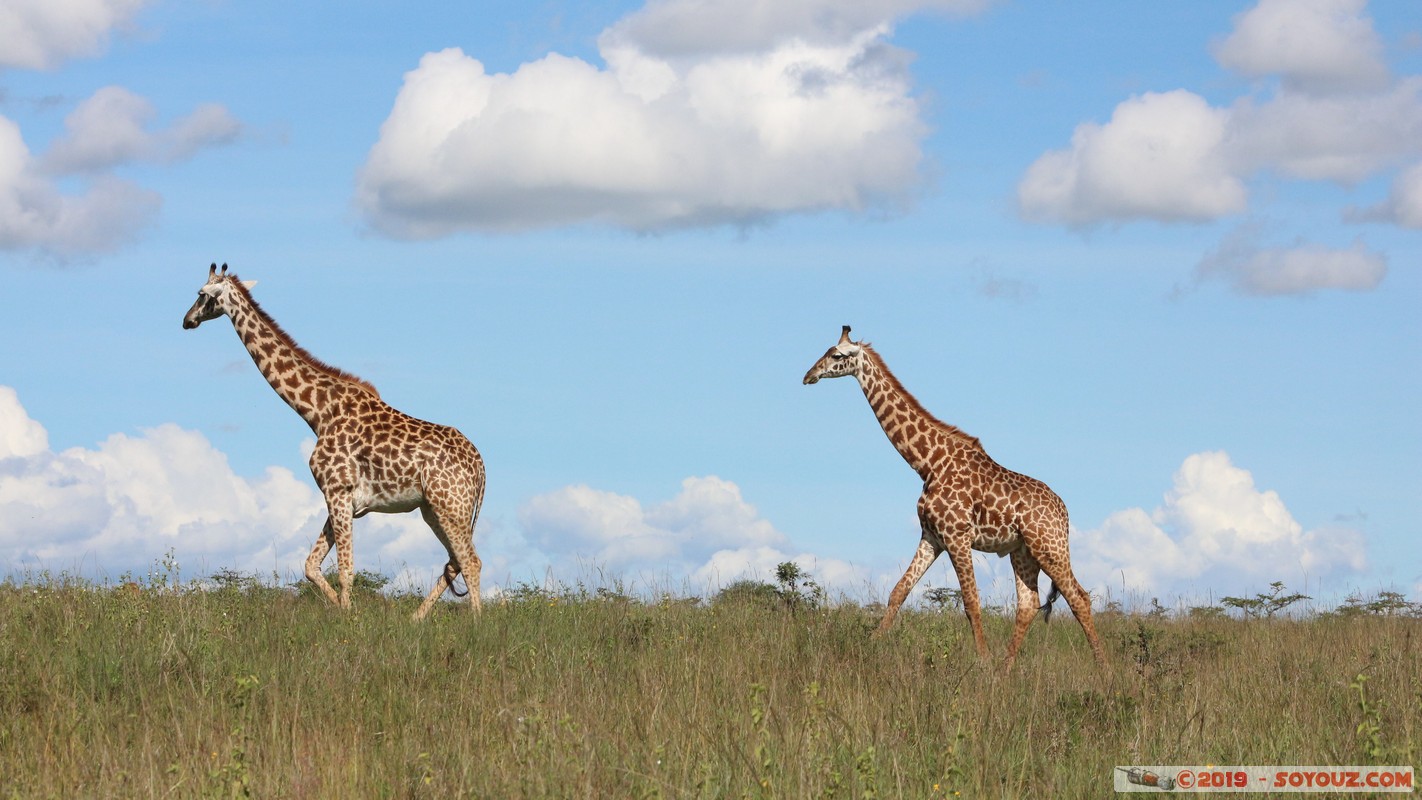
column 969, row 502
column 368, row 456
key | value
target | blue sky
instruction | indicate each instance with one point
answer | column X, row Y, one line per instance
column 1163, row 258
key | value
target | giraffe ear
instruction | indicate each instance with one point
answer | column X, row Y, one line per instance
column 249, row 284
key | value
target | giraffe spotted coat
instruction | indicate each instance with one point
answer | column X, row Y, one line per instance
column 368, row 455
column 969, row 502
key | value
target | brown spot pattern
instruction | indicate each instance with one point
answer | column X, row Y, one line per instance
column 969, row 502
column 369, row 457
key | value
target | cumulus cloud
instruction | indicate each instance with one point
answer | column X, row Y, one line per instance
column 1343, row 138
column 114, row 127
column 121, row 506
column 679, row 28
column 41, row 34
column 36, row 215
column 707, row 533
column 1214, row 525
column 111, row 128
column 1336, row 114
column 1403, row 205
column 1301, row 269
column 20, row 436
column 1171, row 157
column 124, row 503
column 1160, row 157
column 703, row 114
column 1315, row 45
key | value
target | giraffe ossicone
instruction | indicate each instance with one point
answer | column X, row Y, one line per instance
column 969, row 502
column 368, row 456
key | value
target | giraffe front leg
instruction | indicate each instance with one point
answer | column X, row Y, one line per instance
column 338, row 504
column 317, row 557
column 927, row 552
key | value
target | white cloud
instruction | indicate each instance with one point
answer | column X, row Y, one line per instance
column 705, row 114
column 711, row 514
column 1214, row 525
column 99, row 212
column 707, row 533
column 1172, row 157
column 609, row 528
column 1336, row 115
column 112, row 128
column 1316, row 45
column 680, row 28
column 1403, row 205
column 1160, row 157
column 20, row 436
column 122, row 505
column 108, row 130
column 1301, row 269
column 1336, row 137
column 614, row 530
column 35, row 214
column 41, row 34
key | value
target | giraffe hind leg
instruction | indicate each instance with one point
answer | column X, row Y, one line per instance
column 462, row 559
column 1064, row 582
column 1026, row 570
column 972, row 605
column 451, row 568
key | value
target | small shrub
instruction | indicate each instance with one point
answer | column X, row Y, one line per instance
column 797, row 588
column 1207, row 613
column 1265, row 605
column 748, row 591
column 1385, row 604
column 365, row 583
column 943, row 598
column 232, row 580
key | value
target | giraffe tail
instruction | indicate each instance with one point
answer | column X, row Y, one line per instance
column 1046, row 608
column 450, row 573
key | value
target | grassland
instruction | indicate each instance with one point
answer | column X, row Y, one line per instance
column 156, row 690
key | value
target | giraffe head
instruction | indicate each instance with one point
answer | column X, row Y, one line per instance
column 838, row 361
column 212, row 298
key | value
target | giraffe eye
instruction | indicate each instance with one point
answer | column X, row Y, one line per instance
column 836, row 356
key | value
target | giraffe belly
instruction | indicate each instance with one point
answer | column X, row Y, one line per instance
column 386, row 499
column 1001, row 540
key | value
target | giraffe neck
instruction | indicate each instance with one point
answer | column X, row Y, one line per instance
column 314, row 390
column 922, row 439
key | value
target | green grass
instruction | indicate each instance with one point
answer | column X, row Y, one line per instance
column 148, row 691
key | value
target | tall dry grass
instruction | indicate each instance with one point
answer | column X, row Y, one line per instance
column 155, row 690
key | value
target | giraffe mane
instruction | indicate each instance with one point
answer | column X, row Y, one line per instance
column 951, row 430
column 338, row 374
